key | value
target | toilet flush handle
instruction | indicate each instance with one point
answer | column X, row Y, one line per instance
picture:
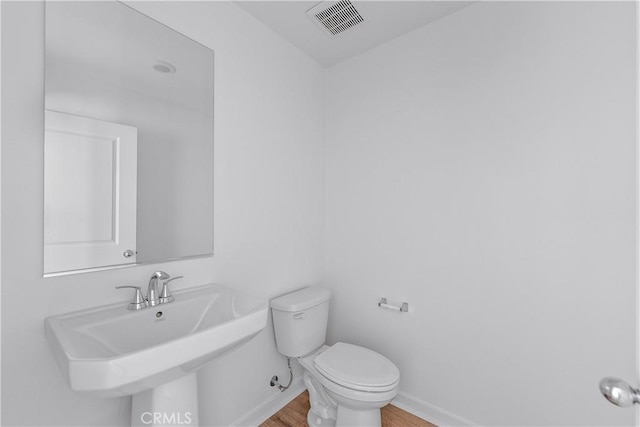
column 299, row 316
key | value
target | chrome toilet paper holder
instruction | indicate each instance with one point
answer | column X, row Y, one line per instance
column 403, row 308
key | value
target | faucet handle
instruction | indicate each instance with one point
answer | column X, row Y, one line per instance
column 138, row 300
column 160, row 275
column 165, row 295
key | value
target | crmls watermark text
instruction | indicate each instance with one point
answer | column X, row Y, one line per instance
column 164, row 418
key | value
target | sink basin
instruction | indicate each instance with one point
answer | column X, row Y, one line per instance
column 112, row 351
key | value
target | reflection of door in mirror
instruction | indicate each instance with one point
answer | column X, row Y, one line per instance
column 90, row 193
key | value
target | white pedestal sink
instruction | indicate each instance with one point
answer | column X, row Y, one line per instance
column 153, row 353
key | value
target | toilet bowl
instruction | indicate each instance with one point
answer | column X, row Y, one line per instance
column 359, row 381
column 347, row 384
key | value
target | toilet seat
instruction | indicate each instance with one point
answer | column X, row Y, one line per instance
column 357, row 368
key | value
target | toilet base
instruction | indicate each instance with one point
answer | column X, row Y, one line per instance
column 360, row 410
column 314, row 420
column 357, row 417
column 323, row 409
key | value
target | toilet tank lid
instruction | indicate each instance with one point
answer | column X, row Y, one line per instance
column 301, row 299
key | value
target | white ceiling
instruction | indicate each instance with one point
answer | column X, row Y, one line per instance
column 384, row 20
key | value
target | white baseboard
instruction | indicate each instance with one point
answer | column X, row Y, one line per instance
column 272, row 405
column 428, row 412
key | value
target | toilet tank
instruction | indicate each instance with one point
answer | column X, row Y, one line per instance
column 300, row 320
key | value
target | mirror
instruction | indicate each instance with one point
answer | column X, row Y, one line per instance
column 128, row 140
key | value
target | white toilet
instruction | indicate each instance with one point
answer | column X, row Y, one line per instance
column 347, row 384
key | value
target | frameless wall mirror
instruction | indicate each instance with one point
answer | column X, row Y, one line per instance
column 128, row 139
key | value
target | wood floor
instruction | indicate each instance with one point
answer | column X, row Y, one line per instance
column 295, row 415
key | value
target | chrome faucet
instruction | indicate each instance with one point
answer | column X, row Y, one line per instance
column 152, row 290
column 153, row 296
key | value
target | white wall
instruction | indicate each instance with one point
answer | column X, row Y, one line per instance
column 482, row 168
column 268, row 226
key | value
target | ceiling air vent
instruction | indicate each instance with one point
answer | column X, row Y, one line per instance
column 336, row 17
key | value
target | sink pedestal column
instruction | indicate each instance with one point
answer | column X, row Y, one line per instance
column 171, row 404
